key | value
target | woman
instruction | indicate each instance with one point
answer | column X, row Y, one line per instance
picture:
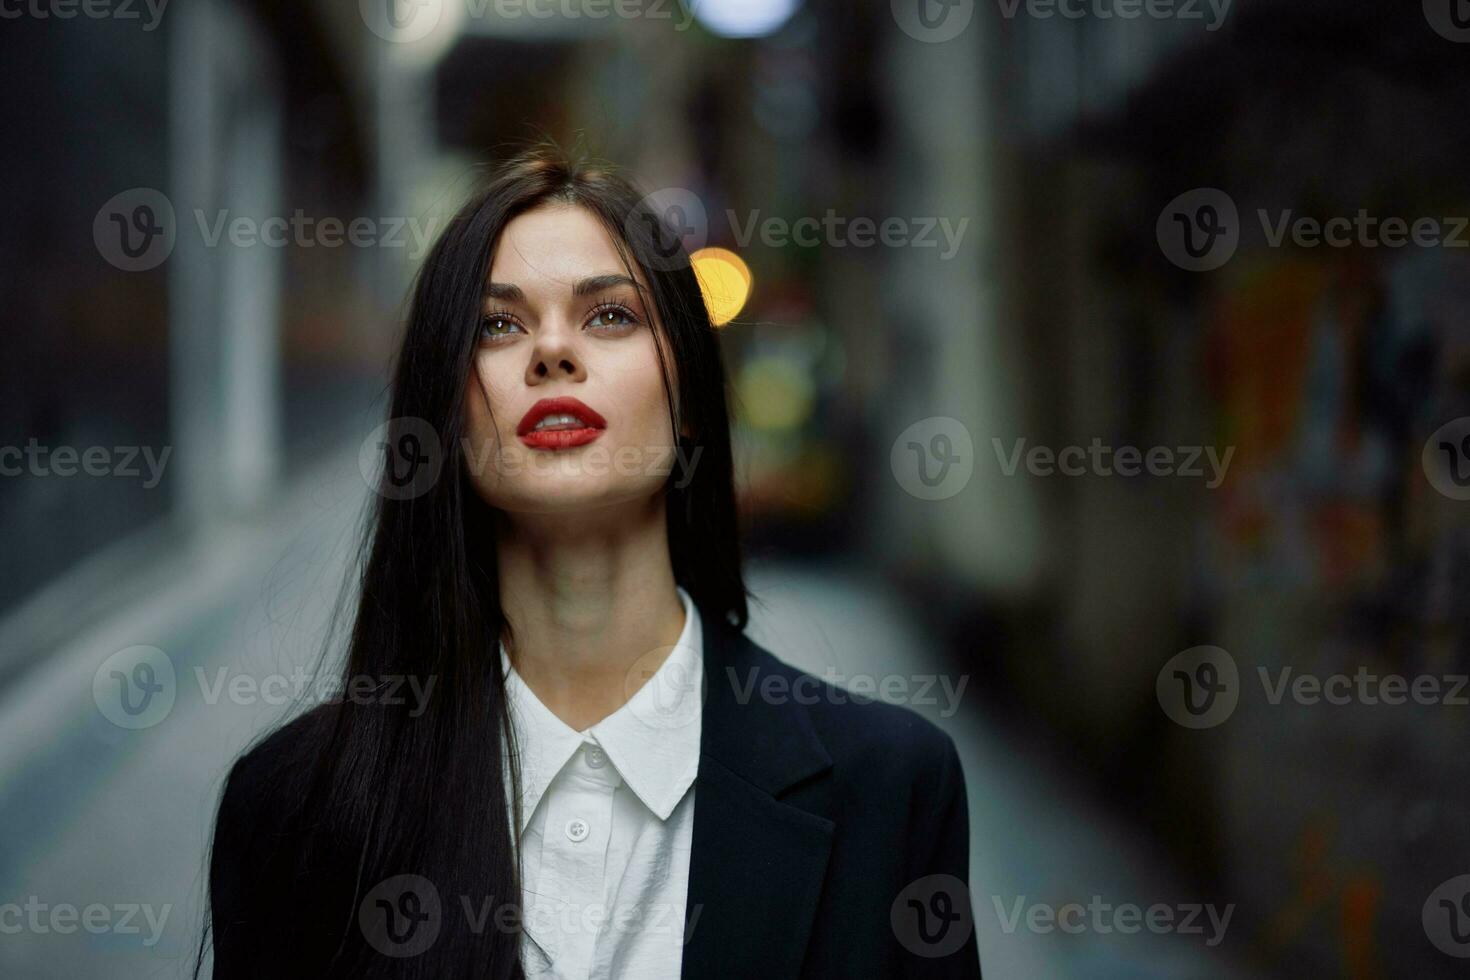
column 631, row 787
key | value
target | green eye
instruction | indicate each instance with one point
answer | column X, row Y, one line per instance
column 496, row 325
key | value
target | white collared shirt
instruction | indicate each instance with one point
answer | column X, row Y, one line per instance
column 608, row 819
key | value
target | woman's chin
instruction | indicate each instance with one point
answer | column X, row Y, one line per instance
column 570, row 496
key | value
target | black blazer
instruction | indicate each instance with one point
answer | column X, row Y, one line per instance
column 831, row 837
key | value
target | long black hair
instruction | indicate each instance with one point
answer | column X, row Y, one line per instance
column 420, row 789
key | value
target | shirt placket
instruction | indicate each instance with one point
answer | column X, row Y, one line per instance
column 571, row 879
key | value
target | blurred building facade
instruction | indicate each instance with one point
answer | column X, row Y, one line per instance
column 1325, row 550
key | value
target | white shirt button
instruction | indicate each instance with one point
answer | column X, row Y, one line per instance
column 595, row 757
column 577, row 829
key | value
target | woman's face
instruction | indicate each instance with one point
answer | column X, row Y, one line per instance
column 565, row 408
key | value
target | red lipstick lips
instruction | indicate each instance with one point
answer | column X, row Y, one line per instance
column 568, row 423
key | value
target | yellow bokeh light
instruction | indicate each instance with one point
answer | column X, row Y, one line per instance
column 776, row 393
column 725, row 280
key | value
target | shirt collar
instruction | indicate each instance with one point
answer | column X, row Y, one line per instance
column 652, row 740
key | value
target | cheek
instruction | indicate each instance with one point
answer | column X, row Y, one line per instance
column 489, row 433
column 484, row 395
column 639, row 384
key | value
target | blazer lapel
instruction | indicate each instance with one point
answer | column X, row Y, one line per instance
column 757, row 861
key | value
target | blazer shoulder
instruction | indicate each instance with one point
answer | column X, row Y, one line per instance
column 870, row 735
column 257, row 842
column 269, row 776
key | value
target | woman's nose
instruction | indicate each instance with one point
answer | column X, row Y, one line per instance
column 555, row 356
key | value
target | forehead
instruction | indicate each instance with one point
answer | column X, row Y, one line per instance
column 548, row 249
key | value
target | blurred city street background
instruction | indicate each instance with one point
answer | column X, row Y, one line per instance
column 1101, row 374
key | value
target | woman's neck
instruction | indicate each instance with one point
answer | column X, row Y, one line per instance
column 592, row 601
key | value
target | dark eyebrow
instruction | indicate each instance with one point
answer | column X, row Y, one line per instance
column 511, row 293
column 596, row 284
